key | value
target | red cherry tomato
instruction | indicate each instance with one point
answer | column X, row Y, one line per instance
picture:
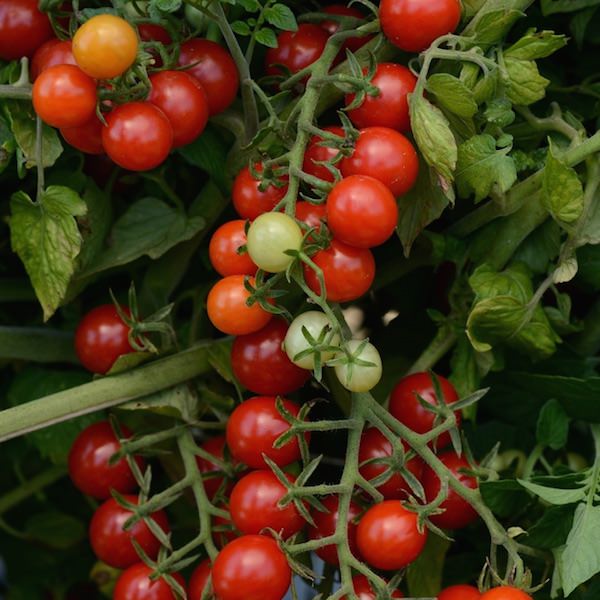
column 262, row 366
column 216, row 447
column 101, row 337
column 413, row 25
column 214, row 68
column 348, row 272
column 253, row 505
column 505, row 592
column 458, row 513
column 223, row 250
column 248, row 200
column 325, row 524
column 390, row 107
column 86, row 138
column 150, row 32
column 315, row 153
column 388, row 537
column 199, row 580
column 135, row 584
column 352, row 44
column 23, row 28
column 374, row 444
column 252, row 429
column 311, row 214
column 361, row 211
column 254, row 564
column 460, row 592
column 139, row 136
column 386, row 155
column 405, row 406
column 112, row 544
column 364, row 591
column 89, row 466
column 51, row 53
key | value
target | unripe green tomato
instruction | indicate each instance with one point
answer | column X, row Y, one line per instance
column 315, row 322
column 196, row 18
column 359, row 378
column 269, row 236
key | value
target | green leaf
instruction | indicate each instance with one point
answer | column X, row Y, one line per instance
column 580, row 23
column 250, row 5
column 553, row 425
column 499, row 112
column 241, row 28
column 424, row 575
column 55, row 529
column 590, row 233
column 452, row 94
column 505, row 497
column 552, row 529
column 168, row 6
column 566, row 270
column 46, row 238
column 550, row 7
column 552, row 495
column 540, row 248
column 536, row 45
column 267, row 37
column 487, row 283
column 179, row 402
column 281, row 16
column 481, row 167
column 7, row 144
column 491, row 25
column 524, row 82
column 588, row 259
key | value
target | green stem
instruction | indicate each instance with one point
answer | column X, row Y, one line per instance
column 15, row 92
column 39, row 157
column 37, row 344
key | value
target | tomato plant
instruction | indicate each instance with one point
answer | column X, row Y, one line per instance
column 135, row 584
column 460, row 592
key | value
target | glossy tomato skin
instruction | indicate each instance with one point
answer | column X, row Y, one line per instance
column 405, row 406
column 252, row 429
column 223, row 250
column 64, row 96
column 390, row 107
column 86, row 138
column 352, row 44
column 199, row 580
column 374, row 444
column 101, row 337
column 316, row 153
column 253, row 505
column 325, row 524
column 112, row 544
column 135, row 584
column 248, row 200
column 460, row 592
column 261, row 365
column 348, row 272
column 364, row 591
column 138, row 137
column 89, row 466
column 214, row 69
column 254, row 564
column 458, row 513
column 505, row 592
column 384, row 154
column 150, row 32
column 388, row 537
column 51, row 53
column 312, row 215
column 23, row 28
column 216, row 447
column 412, row 25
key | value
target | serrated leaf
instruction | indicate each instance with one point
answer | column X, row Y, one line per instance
column 556, row 496
column 267, row 37
column 281, row 16
column 553, row 425
column 499, row 112
column 452, row 94
column 536, row 45
column 525, row 85
column 490, row 26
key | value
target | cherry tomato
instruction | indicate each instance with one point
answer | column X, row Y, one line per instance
column 261, row 365
column 364, row 591
column 296, row 49
column 51, row 53
column 460, row 592
column 89, row 466
column 105, row 46
column 135, row 584
column 112, row 544
column 23, row 28
column 413, row 25
column 223, row 250
column 505, row 592
column 390, row 107
column 214, row 68
column 316, row 153
column 325, row 524
column 374, row 444
column 248, row 200
column 150, row 32
column 254, row 564
column 253, row 505
column 311, row 214
column 86, row 138
column 199, row 580
column 139, row 136
column 227, row 308
column 348, row 272
column 405, row 406
column 458, row 513
column 216, row 447
column 358, row 377
column 64, row 96
column 386, row 155
column 352, row 44
column 101, row 337
column 388, row 537
column 254, row 426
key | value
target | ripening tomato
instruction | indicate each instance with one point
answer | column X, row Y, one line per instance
column 358, row 377
column 412, row 25
column 318, row 153
column 150, row 32
column 312, row 215
column 86, row 138
column 135, row 584
column 458, row 513
column 101, row 337
column 318, row 326
column 390, row 107
column 261, row 365
column 364, row 590
column 331, row 26
column 460, row 592
column 254, row 426
column 224, row 250
column 23, row 28
column 49, row 54
column 138, row 137
column 214, row 68
column 505, row 592
column 254, row 564
column 348, row 272
column 216, row 447
column 199, row 580
column 388, row 537
column 64, row 96
column 112, row 544
column 248, row 200
column 89, row 466
column 405, row 405
column 386, row 155
column 105, row 46
column 227, row 308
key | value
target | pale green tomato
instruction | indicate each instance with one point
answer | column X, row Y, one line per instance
column 359, row 378
column 269, row 236
column 196, row 18
column 315, row 323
